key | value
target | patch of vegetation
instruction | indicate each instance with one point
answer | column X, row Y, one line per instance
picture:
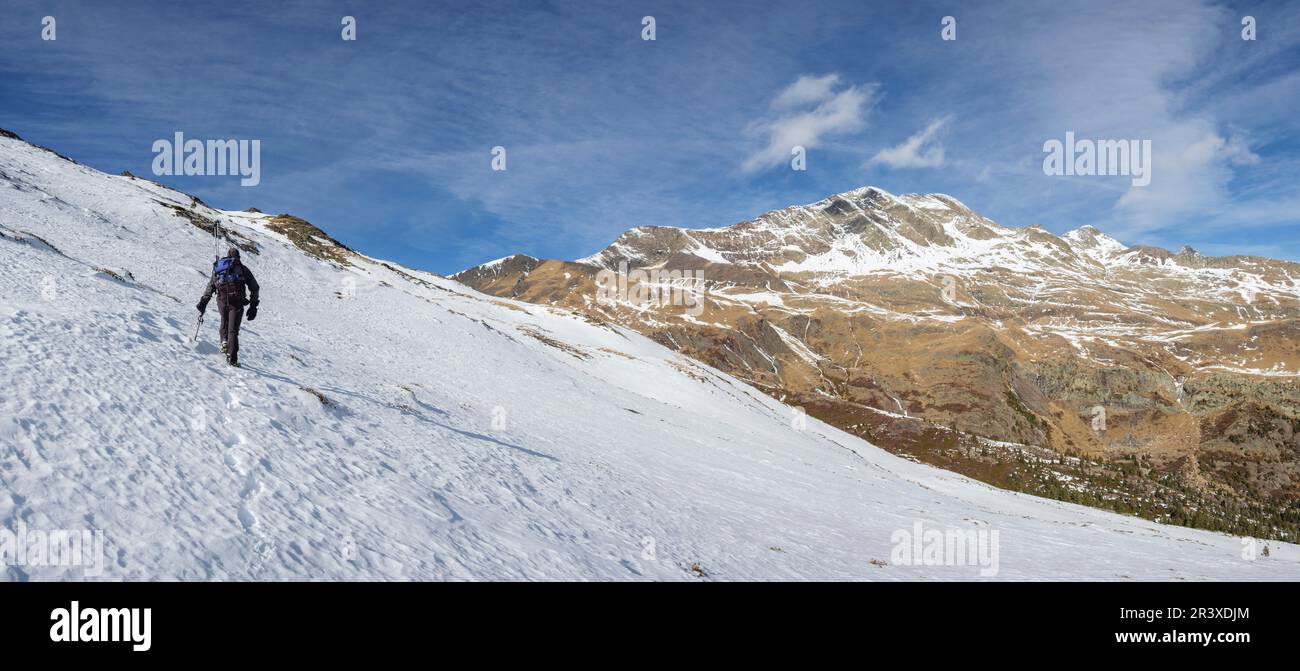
column 310, row 239
column 412, row 278
column 324, row 400
column 43, row 241
column 208, row 226
column 1162, row 494
column 1024, row 411
column 510, row 306
column 129, row 279
column 562, row 346
column 689, row 371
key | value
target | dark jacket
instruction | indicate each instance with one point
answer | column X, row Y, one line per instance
column 232, row 295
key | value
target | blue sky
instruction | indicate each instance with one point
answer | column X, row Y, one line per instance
column 386, row 142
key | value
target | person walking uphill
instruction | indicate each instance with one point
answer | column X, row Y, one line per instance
column 229, row 280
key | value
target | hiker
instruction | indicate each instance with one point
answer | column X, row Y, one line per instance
column 229, row 278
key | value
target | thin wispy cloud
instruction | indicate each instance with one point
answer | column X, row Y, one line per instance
column 809, row 111
column 1193, row 173
column 805, row 90
column 922, row 150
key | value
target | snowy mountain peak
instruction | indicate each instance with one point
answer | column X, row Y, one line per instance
column 859, row 232
column 870, row 231
column 1091, row 242
column 874, row 197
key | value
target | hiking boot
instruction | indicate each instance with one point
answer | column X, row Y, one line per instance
column 234, row 363
column 225, row 346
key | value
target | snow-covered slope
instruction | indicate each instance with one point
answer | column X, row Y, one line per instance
column 392, row 424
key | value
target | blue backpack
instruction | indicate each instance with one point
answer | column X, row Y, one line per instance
column 229, row 273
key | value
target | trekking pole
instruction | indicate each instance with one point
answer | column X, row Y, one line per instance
column 216, row 233
column 197, row 328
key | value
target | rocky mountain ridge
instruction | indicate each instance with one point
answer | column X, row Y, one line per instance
column 900, row 315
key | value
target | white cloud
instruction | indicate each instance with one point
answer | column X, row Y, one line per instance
column 1237, row 152
column 826, row 111
column 806, row 89
column 922, row 150
column 1191, row 165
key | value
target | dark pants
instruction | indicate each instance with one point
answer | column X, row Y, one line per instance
column 231, row 316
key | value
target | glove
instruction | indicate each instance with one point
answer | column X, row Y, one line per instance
column 202, row 306
column 252, row 313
